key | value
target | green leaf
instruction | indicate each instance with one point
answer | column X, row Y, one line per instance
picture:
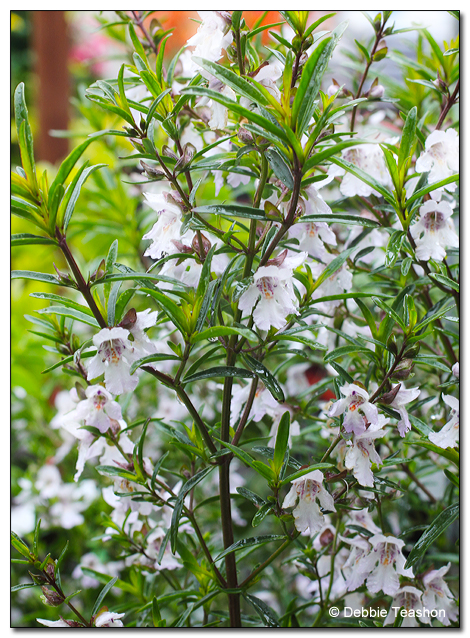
column 326, row 153
column 231, row 211
column 238, row 84
column 25, row 239
column 280, row 167
column 390, row 312
column 220, row 371
column 408, row 137
column 102, row 595
column 310, row 82
column 364, row 177
column 393, row 247
column 179, row 504
column 266, row 377
column 450, row 454
column 251, row 496
column 219, row 331
column 282, row 442
column 36, row 276
column 265, row 612
column 234, row 107
column 333, row 266
column 344, row 351
column 63, row 300
column 69, row 162
column 75, row 188
column 296, row 475
column 71, row 313
column 25, row 136
column 152, row 358
column 431, row 187
column 437, row 527
column 436, row 312
column 442, row 279
column 173, row 311
column 249, row 542
column 109, row 267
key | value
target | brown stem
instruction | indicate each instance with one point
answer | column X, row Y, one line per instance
column 378, row 37
column 448, row 105
column 79, row 279
column 246, row 412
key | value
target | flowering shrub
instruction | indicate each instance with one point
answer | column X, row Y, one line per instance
column 258, row 263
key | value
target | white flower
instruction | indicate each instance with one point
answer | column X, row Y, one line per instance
column 355, row 568
column 212, row 38
column 403, row 397
column 369, row 158
column 434, row 230
column 98, row 408
column 363, row 518
column 114, row 358
column 311, row 235
column 166, row 229
column 449, row 435
column 263, row 403
column 437, row 594
column 410, row 599
column 306, row 491
column 362, row 453
column 456, row 370
column 219, row 112
column 385, row 562
column 268, row 76
column 357, row 408
column 109, row 619
column 338, row 283
column 440, row 158
column 273, row 287
column 56, row 623
column 142, row 343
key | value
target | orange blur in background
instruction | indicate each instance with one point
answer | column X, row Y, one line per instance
column 185, row 27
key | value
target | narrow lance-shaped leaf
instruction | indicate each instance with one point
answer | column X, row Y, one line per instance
column 282, row 441
column 437, row 527
column 178, row 508
column 266, row 377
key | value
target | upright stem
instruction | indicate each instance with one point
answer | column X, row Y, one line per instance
column 448, row 105
column 80, row 281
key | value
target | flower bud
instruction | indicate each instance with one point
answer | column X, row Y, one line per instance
column 389, row 397
column 129, row 319
column 377, row 92
column 245, row 136
column 152, row 171
column 51, row 598
column 167, row 152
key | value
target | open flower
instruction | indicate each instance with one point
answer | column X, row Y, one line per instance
column 369, row 158
column 355, row 569
column 403, row 397
column 97, row 409
column 166, row 229
column 109, row 619
column 385, row 563
column 212, row 38
column 308, row 494
column 114, row 358
column 409, row 598
column 273, row 292
column 449, row 435
column 434, row 231
column 440, row 158
column 362, row 453
column 437, row 594
column 358, row 411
